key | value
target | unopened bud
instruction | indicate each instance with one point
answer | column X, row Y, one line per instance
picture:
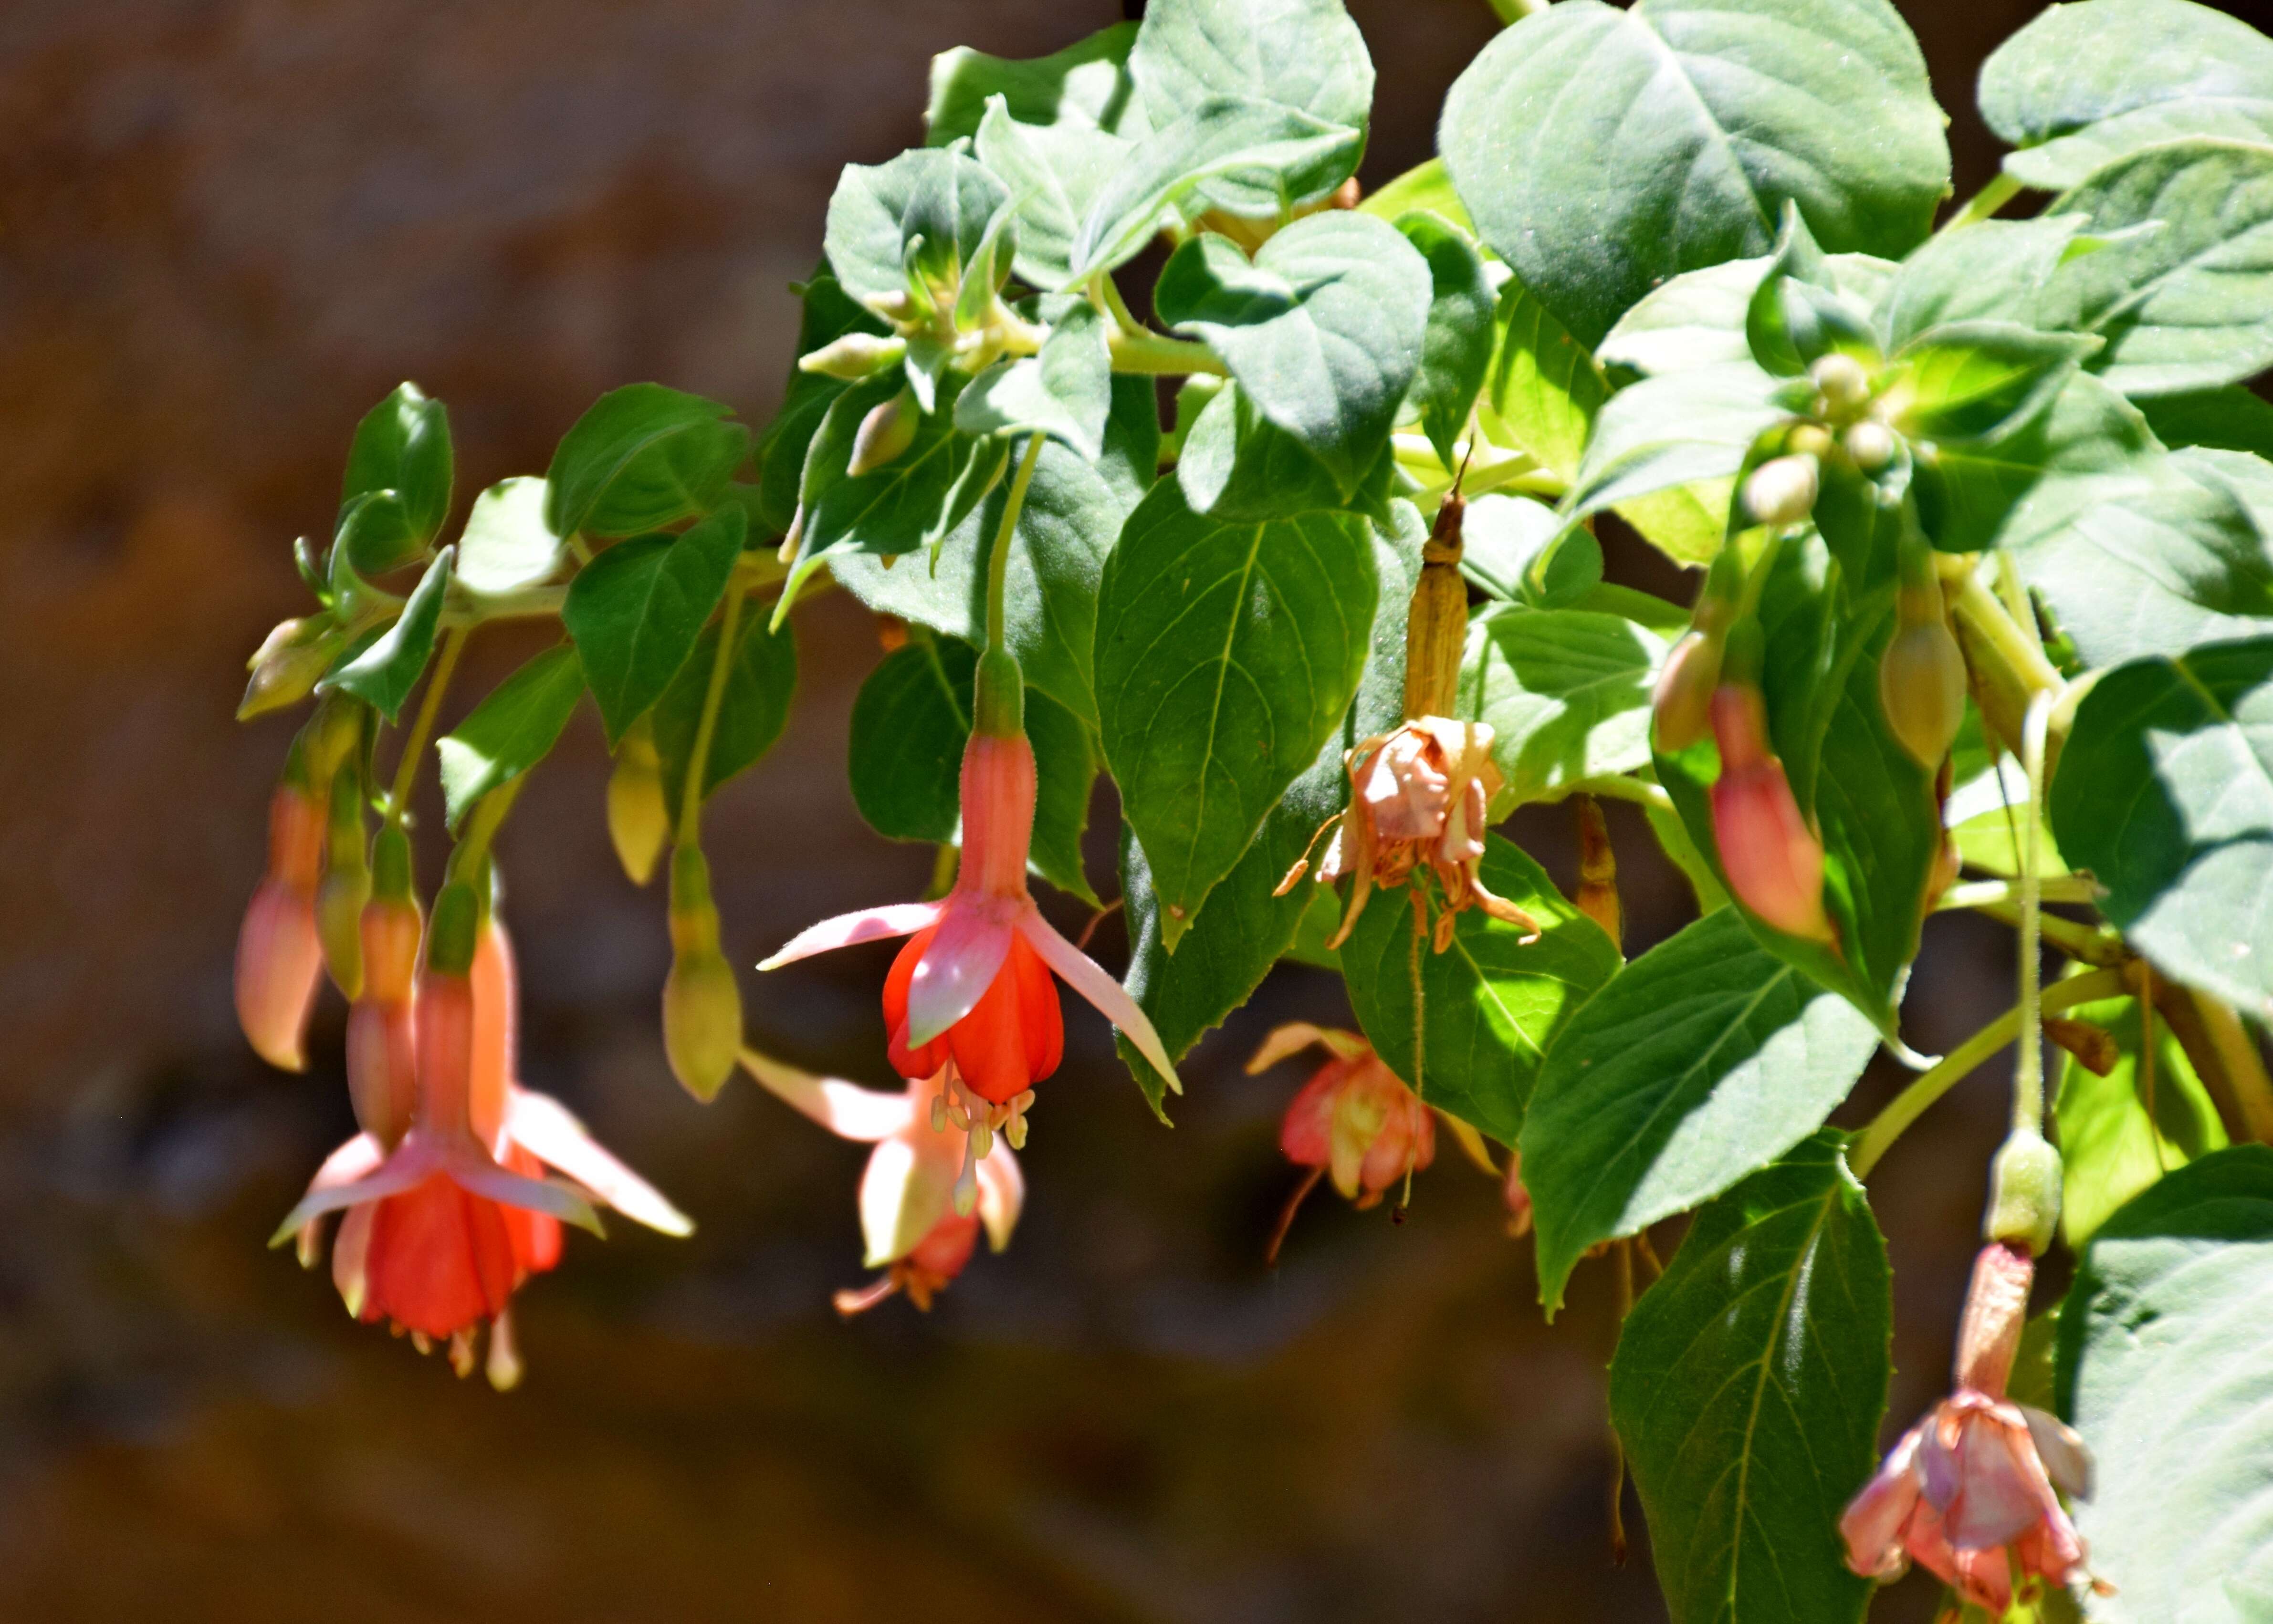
column 854, row 357
column 279, row 955
column 1871, row 444
column 884, row 433
column 701, row 1002
column 1598, row 871
column 1517, row 1197
column 347, row 886
column 287, row 663
column 2024, row 1192
column 639, row 813
column 1808, row 439
column 1922, row 689
column 1844, row 385
column 1683, row 707
column 1781, row 490
column 1772, row 861
column 382, row 1038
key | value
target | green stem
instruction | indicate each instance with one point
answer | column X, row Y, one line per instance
column 1994, row 892
column 1911, row 1103
column 1154, row 355
column 2029, row 1072
column 2078, row 941
column 1984, row 203
column 998, row 561
column 1618, row 788
column 414, row 745
column 488, row 815
column 721, row 665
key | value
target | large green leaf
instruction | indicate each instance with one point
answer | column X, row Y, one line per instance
column 403, row 445
column 1602, row 151
column 753, row 709
column 2230, row 418
column 1698, row 318
column 1492, row 1002
column 385, row 672
column 1544, row 391
column 1322, row 330
column 642, row 457
column 879, row 211
column 1994, row 270
column 1702, row 1061
column 1085, row 85
column 511, row 730
column 1236, row 464
column 1673, row 429
column 1247, row 926
column 1057, row 554
column 2165, row 792
column 1226, row 655
column 1748, row 1387
column 2162, row 1366
column 1567, row 691
column 1973, row 495
column 2083, row 85
column 1054, row 173
column 1456, row 348
column 1065, row 392
column 2182, row 290
column 637, row 608
column 507, row 542
column 2121, row 1132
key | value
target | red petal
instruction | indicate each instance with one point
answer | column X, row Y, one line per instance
column 439, row 1261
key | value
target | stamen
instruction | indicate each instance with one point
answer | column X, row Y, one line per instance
column 848, row 1302
column 461, row 1352
column 939, row 1113
column 1286, row 1218
column 422, row 1342
column 505, row 1366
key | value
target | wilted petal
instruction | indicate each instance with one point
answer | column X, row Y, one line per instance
column 1874, row 1521
column 1001, row 1194
column 955, row 969
column 844, row 1108
column 1087, row 977
column 867, row 924
column 2001, row 1489
column 906, row 1190
column 2067, row 1461
column 1297, row 1036
column 545, row 1129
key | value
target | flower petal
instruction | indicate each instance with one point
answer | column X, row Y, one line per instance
column 1874, row 1521
column 905, row 1192
column 350, row 1258
column 1297, row 1036
column 472, row 1172
column 545, row 1129
column 1001, row 1194
column 844, row 1108
column 955, row 970
column 867, row 924
column 1087, row 977
column 2066, row 1457
column 412, row 1161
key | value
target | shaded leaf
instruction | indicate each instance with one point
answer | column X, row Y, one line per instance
column 753, row 710
column 1456, row 347
column 403, row 445
column 511, row 730
column 385, row 671
column 636, row 611
column 644, row 456
column 2120, row 1133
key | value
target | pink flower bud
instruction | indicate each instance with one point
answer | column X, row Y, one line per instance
column 279, row 955
column 1683, row 707
column 382, row 1032
column 1772, row 861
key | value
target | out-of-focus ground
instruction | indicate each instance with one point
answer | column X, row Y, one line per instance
column 226, row 227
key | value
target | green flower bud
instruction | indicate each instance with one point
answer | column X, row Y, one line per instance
column 1781, row 490
column 345, row 887
column 701, row 1003
column 1922, row 690
column 1871, row 444
column 854, row 357
column 2024, row 1192
column 1844, row 385
column 287, row 663
column 884, row 433
column 1683, row 707
column 1808, row 439
column 639, row 808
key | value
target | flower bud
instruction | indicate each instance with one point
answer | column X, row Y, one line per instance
column 347, row 886
column 1683, row 707
column 1844, row 383
column 1808, row 439
column 278, row 953
column 286, row 666
column 638, row 809
column 701, row 1003
column 1781, row 490
column 2024, row 1192
column 884, row 433
column 382, row 1036
column 1871, row 444
column 854, row 357
column 1772, row 861
column 1922, row 689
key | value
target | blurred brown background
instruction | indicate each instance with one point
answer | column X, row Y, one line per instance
column 227, row 226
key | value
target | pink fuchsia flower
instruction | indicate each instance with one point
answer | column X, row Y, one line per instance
column 1355, row 1119
column 280, row 957
column 1773, row 860
column 1970, row 1491
column 931, row 1184
column 973, row 987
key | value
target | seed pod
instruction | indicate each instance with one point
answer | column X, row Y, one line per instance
column 701, row 1003
column 854, row 357
column 638, row 809
column 884, row 433
column 1772, row 861
column 2024, row 1192
column 1781, row 490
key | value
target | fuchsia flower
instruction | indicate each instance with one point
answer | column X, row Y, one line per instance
column 279, row 955
column 970, row 996
column 931, row 1183
column 1355, row 1119
column 1969, row 1491
column 447, row 1218
column 1773, row 860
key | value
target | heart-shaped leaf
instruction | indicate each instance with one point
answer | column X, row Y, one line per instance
column 644, row 456
column 636, row 611
column 1567, row 691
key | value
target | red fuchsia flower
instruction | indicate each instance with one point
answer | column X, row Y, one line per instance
column 1969, row 1491
column 1355, row 1119
column 1773, row 860
column 972, row 985
column 929, row 1186
column 280, row 956
column 443, row 1225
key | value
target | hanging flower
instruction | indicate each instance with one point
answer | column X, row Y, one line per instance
column 972, row 985
column 1354, row 1120
column 931, row 1183
column 280, row 956
column 1969, row 1491
column 1773, row 860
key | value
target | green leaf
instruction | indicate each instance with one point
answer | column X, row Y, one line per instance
column 1697, row 122
column 384, row 671
column 2182, row 289
column 506, row 543
column 2165, row 791
column 1306, row 54
column 1567, row 691
column 1493, row 1003
column 1748, row 1387
column 1977, row 380
column 1085, row 85
column 636, row 611
column 1226, row 655
column 1323, row 331
column 403, row 445
column 879, row 211
column 1678, row 429
column 1544, row 391
column 1520, row 551
column 761, row 682
column 644, row 456
column 1265, row 146
column 1993, row 269
column 1054, row 173
column 2081, row 87
column 1701, row 1062
column 1699, row 318
column 511, row 730
column 1057, row 554
column 1425, row 186
column 1456, row 347
column 1066, row 392
column 1975, row 495
column 2230, row 418
column 913, row 501
column 1797, row 314
column 2120, row 1133
column 374, row 535
column 1131, row 460
column 1236, row 464
column 829, row 314
column 2162, row 1368
column 1247, row 926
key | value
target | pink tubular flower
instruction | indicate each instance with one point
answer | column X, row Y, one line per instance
column 1969, row 1491
column 973, row 987
column 279, row 955
column 1773, row 861
column 931, row 1184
